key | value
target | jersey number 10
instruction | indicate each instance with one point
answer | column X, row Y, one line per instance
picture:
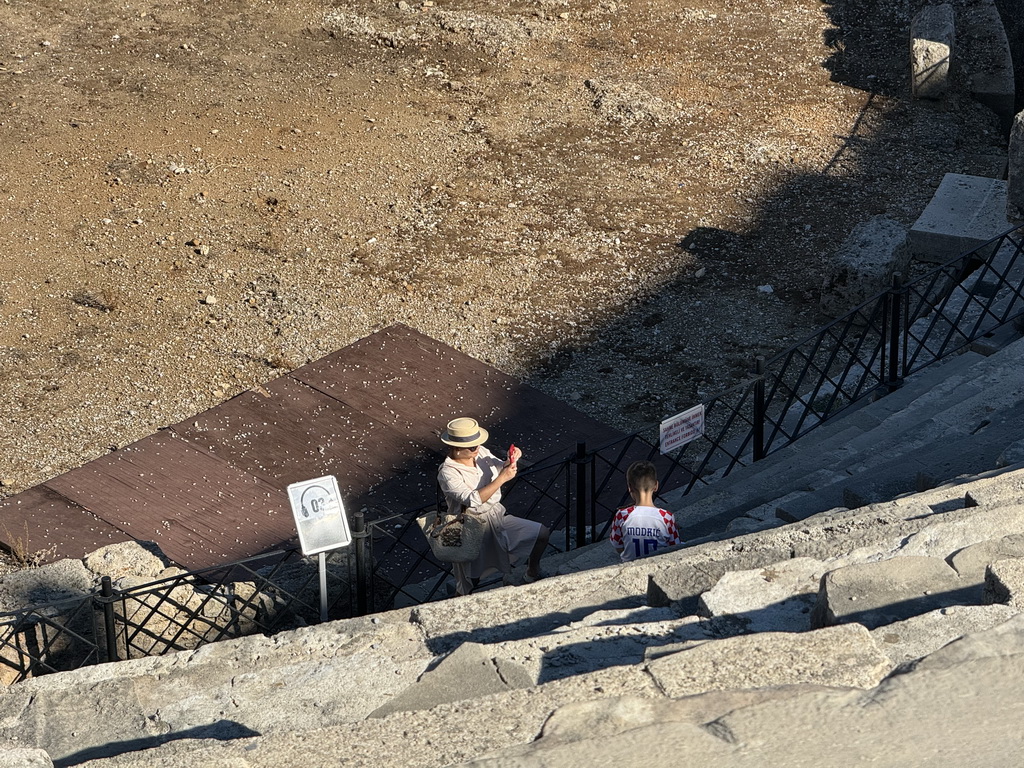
column 649, row 545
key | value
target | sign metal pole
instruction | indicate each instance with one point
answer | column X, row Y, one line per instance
column 323, row 586
column 321, row 522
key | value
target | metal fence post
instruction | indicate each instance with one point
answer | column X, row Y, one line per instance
column 894, row 380
column 362, row 576
column 581, row 494
column 759, row 413
column 107, row 600
column 567, row 466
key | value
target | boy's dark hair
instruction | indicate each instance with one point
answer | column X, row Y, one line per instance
column 642, row 476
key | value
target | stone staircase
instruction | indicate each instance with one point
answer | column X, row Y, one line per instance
column 886, row 631
column 959, row 417
column 853, row 594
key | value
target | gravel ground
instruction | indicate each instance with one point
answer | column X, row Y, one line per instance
column 621, row 202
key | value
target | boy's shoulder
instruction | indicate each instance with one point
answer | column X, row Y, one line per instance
column 649, row 508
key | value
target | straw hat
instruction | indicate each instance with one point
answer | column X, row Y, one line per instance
column 464, row 433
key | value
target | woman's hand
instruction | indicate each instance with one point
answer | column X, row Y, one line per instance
column 507, row 473
column 513, row 455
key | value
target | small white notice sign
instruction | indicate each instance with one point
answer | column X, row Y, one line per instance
column 680, row 429
column 319, row 515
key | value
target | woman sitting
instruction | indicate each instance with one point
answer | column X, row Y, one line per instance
column 471, row 478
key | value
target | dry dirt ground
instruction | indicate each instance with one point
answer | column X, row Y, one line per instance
column 200, row 195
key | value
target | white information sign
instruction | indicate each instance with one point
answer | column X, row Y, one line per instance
column 680, row 429
column 319, row 515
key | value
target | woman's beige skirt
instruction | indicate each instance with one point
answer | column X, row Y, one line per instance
column 509, row 541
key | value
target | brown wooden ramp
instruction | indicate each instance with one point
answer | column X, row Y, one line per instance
column 212, row 489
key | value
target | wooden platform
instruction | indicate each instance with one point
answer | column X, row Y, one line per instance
column 212, row 489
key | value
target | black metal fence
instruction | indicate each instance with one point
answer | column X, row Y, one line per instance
column 865, row 353
column 263, row 594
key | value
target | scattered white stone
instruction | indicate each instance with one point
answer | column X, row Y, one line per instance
column 765, row 289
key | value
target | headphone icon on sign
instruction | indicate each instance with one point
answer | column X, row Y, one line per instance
column 318, row 504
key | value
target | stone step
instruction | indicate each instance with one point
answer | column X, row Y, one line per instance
column 452, row 732
column 587, row 721
column 964, row 393
column 641, row 651
column 583, row 631
column 839, row 433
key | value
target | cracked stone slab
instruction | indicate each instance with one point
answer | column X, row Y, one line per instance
column 305, row 678
column 947, row 536
column 896, row 723
column 468, row 672
column 776, row 598
column 844, row 656
column 587, row 648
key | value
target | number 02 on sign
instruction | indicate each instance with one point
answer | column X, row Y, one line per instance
column 319, row 515
column 682, row 428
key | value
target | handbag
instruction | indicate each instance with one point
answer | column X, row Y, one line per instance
column 453, row 538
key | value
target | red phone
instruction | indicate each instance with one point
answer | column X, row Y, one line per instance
column 511, row 449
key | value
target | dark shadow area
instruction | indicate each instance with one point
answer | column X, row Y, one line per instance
column 222, row 730
column 793, row 615
column 524, row 628
column 888, row 162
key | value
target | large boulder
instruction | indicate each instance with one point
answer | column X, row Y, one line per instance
column 127, row 558
column 864, row 265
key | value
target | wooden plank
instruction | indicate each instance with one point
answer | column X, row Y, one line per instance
column 43, row 520
column 211, row 489
column 198, row 508
column 417, row 384
column 293, row 433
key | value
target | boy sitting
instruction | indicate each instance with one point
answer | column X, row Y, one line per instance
column 642, row 528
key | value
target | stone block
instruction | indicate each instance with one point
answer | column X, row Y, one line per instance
column 1015, row 164
column 468, row 672
column 971, row 562
column 49, row 583
column 946, row 537
column 864, row 265
column 776, row 598
column 127, row 558
column 992, row 68
column 25, row 758
column 838, row 656
column 964, row 213
column 58, row 633
column 1012, row 454
column 932, row 40
column 879, row 593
